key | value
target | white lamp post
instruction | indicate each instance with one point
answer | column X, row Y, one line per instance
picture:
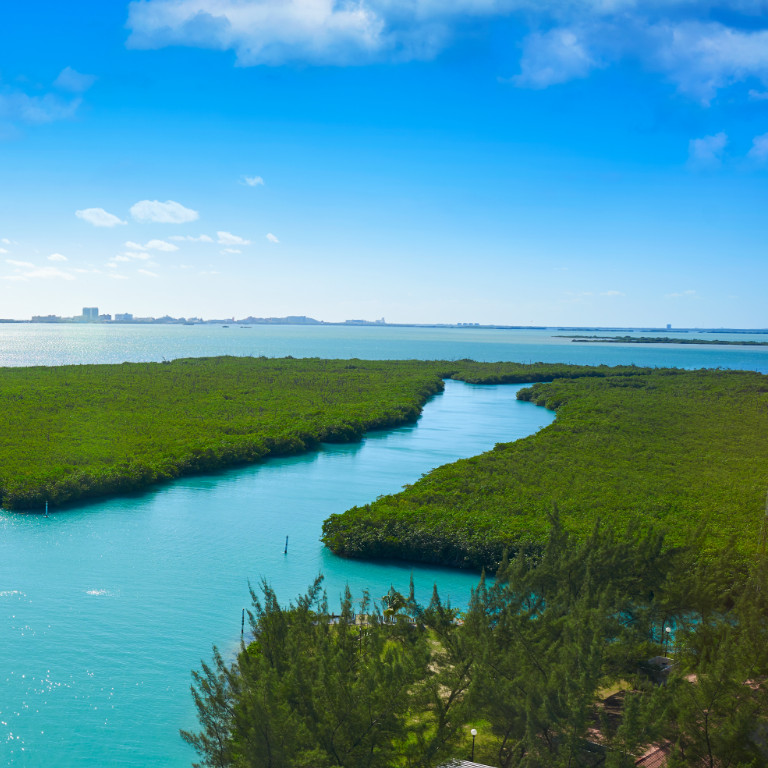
column 474, row 733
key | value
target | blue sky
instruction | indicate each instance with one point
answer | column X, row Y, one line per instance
column 497, row 161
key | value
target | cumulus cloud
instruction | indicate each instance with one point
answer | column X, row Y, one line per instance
column 191, row 238
column 227, row 238
column 565, row 39
column 272, row 238
column 57, row 257
column 169, row 212
column 99, row 217
column 71, row 80
column 759, row 151
column 707, row 152
column 253, row 181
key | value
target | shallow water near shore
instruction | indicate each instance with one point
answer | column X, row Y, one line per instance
column 105, row 608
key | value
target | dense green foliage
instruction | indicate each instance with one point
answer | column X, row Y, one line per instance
column 677, row 448
column 76, row 431
column 530, row 667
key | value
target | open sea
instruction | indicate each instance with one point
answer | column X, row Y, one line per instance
column 106, row 607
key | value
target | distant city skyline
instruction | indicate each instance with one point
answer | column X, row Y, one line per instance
column 551, row 164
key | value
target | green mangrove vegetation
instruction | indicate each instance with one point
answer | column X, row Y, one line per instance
column 560, row 662
column 678, row 449
column 73, row 432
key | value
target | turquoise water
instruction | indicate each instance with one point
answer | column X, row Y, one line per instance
column 105, row 608
column 35, row 344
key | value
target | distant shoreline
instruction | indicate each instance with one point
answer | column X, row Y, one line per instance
column 300, row 320
column 661, row 340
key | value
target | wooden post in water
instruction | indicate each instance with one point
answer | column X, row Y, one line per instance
column 46, row 509
column 285, row 552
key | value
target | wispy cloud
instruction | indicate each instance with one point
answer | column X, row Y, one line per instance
column 253, row 181
column 191, row 238
column 4, row 250
column 227, row 238
column 57, row 257
column 71, row 80
column 759, row 151
column 680, row 295
column 161, row 245
column 15, row 263
column 272, row 238
column 707, row 152
column 613, row 293
column 225, row 251
column 99, row 217
column 169, row 212
column 147, row 272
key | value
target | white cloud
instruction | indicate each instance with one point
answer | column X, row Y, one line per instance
column 57, row 257
column 272, row 238
column 134, row 246
column 270, row 31
column 3, row 250
column 191, row 239
column 707, row 152
column 224, row 251
column 161, row 245
column 71, row 80
column 48, row 273
column 147, row 273
column 15, row 263
column 227, row 238
column 169, row 212
column 140, row 255
column 556, row 56
column 99, row 217
column 5, row 241
column 612, row 293
column 121, row 257
column 680, row 295
column 253, row 181
column 759, row 151
column 16, row 106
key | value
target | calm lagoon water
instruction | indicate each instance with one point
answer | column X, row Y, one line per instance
column 105, row 608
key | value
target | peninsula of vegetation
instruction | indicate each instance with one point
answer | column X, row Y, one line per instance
column 678, row 449
column 662, row 340
column 75, row 432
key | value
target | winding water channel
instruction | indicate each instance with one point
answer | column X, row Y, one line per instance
column 105, row 608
